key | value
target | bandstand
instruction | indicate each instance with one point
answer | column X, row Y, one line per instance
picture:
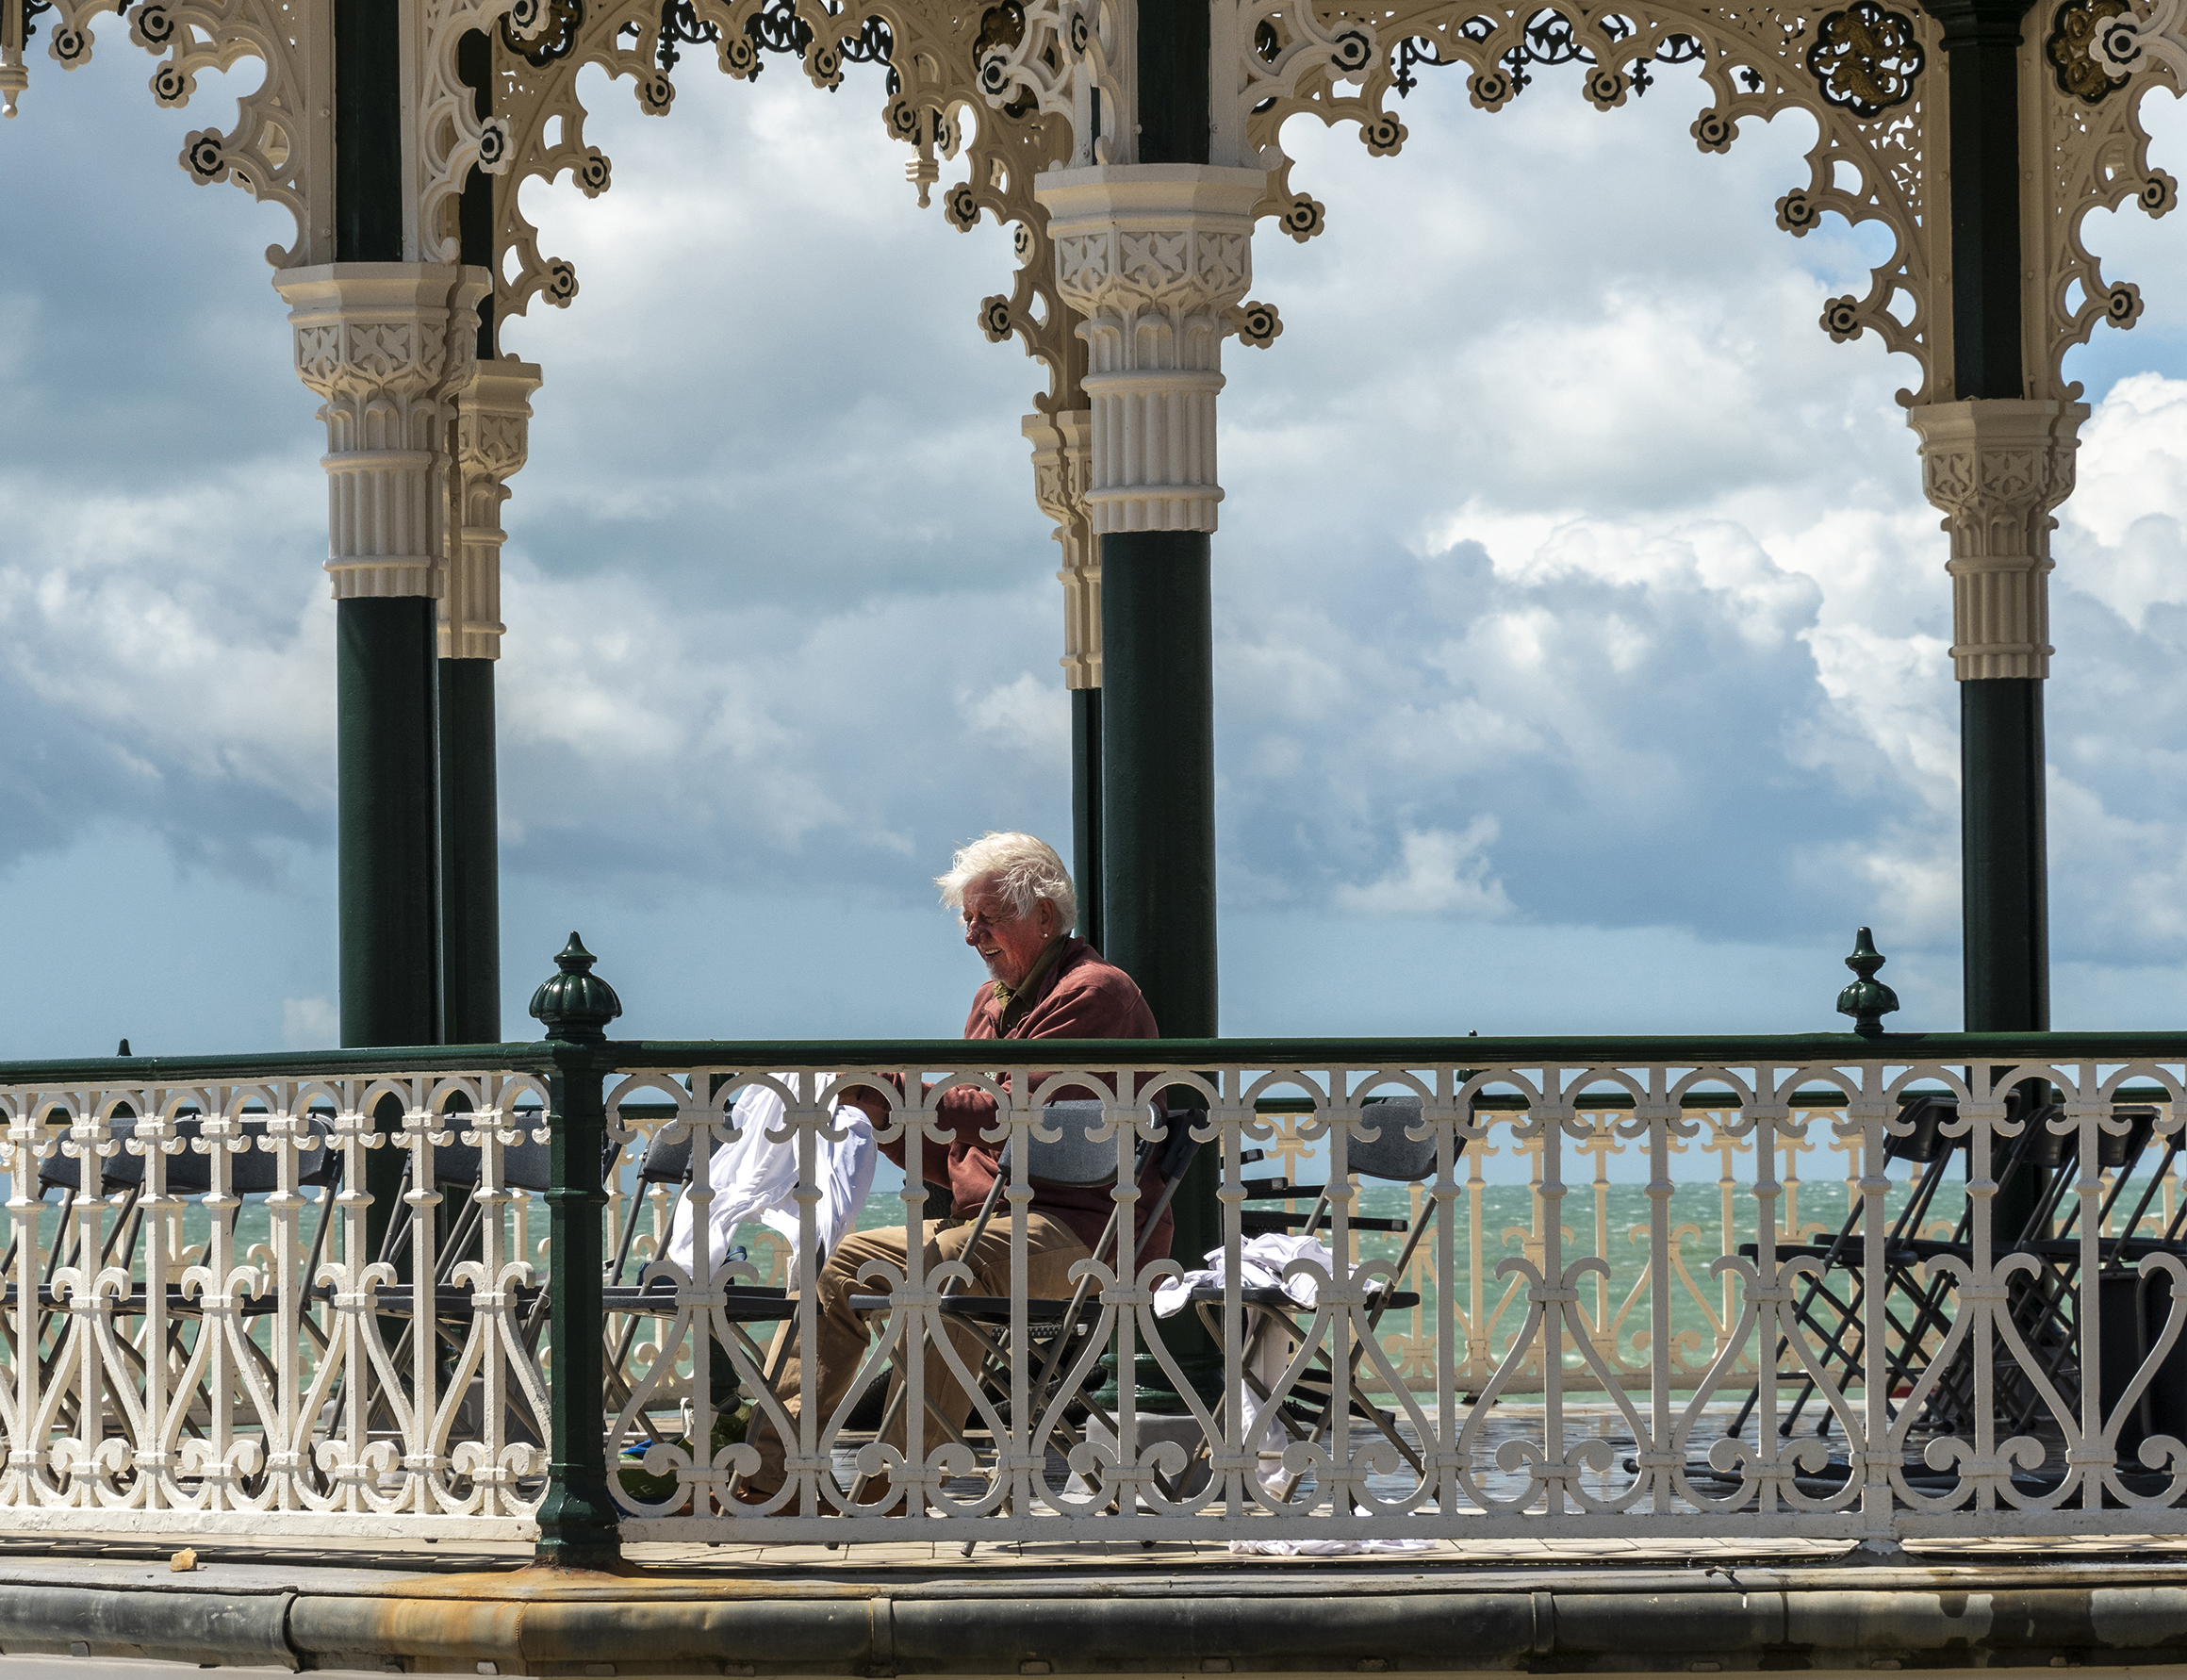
column 303, row 1316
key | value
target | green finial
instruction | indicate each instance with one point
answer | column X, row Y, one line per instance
column 1867, row 999
column 576, row 1003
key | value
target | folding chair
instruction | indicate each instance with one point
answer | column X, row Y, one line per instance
column 665, row 1161
column 2039, row 1310
column 1308, row 1407
column 1832, row 1312
column 1056, row 1329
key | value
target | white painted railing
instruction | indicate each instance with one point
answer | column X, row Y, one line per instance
column 1646, row 1295
column 207, row 1330
column 1578, row 1368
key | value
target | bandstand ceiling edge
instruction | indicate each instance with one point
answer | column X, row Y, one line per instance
column 1020, row 88
column 1017, row 89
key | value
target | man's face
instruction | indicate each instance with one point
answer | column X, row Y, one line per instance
column 1006, row 942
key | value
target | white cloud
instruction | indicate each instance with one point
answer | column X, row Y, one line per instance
column 1032, row 716
column 309, row 1023
column 1439, row 873
column 1551, row 502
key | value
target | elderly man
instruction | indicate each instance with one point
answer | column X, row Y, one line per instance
column 1018, row 907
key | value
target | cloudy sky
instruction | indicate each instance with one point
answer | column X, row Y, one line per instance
column 1581, row 629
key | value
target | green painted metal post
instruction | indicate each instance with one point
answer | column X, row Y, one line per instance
column 367, row 131
column 1157, row 760
column 1158, row 765
column 471, row 888
column 388, row 839
column 471, row 891
column 2003, row 882
column 1086, row 813
column 578, row 1527
column 1158, row 715
column 388, row 784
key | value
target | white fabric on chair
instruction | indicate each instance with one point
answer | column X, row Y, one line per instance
column 1260, row 1264
column 755, row 1180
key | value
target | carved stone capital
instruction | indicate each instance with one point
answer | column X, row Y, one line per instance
column 1063, row 461
column 385, row 345
column 1153, row 257
column 1995, row 469
column 493, row 417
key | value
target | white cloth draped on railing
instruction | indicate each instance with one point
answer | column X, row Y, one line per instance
column 754, row 1177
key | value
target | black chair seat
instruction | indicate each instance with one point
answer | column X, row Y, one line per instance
column 1044, row 1317
column 1276, row 1301
column 1261, row 1222
column 178, row 1304
column 397, row 1300
column 1850, row 1253
column 746, row 1303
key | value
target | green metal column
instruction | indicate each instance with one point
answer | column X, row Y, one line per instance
column 2003, row 879
column 388, row 829
column 578, row 1527
column 387, row 780
column 1086, row 813
column 1157, row 796
column 1157, row 716
column 2005, row 895
column 470, row 889
column 1157, row 774
column 2004, row 884
column 367, row 131
column 471, row 882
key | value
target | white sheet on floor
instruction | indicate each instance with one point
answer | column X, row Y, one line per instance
column 1324, row 1548
column 755, row 1180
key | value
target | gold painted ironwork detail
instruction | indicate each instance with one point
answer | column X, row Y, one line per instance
column 1865, row 58
column 2076, row 26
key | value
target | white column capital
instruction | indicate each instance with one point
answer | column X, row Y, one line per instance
column 1996, row 468
column 493, row 417
column 1063, row 461
column 1153, row 255
column 384, row 345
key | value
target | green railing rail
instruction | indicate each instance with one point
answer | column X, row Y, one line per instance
column 541, row 1056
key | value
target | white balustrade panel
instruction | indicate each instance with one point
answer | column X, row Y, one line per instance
column 275, row 1308
column 1634, row 1300
column 1552, row 1300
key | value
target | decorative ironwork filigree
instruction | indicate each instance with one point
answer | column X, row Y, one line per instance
column 2072, row 32
column 1548, row 39
column 1865, row 58
column 556, row 38
column 775, row 27
column 681, row 26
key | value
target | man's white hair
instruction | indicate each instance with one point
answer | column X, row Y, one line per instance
column 1026, row 870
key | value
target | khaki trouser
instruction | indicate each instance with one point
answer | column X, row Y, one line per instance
column 1052, row 1248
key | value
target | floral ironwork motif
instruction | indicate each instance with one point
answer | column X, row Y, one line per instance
column 2075, row 27
column 556, row 37
column 1865, row 58
column 775, row 27
column 1547, row 39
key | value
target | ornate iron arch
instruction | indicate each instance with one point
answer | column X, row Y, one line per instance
column 1868, row 74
